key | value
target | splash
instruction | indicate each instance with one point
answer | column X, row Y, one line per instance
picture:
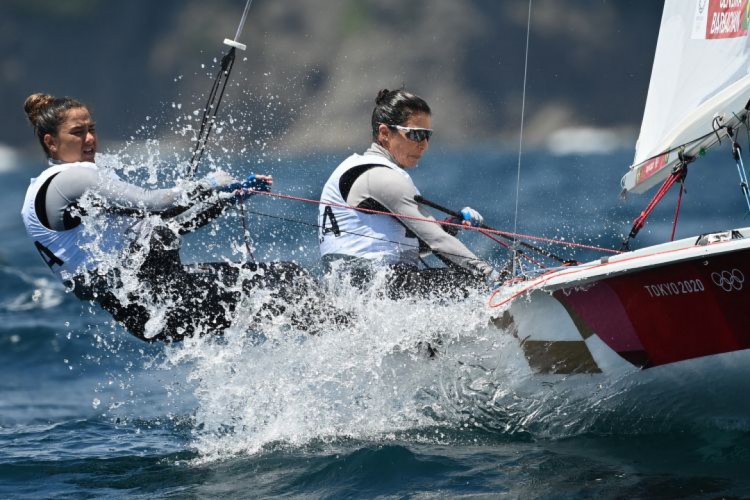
column 381, row 373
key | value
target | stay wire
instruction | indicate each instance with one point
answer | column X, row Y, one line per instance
column 737, row 152
column 216, row 94
column 520, row 139
column 242, row 19
column 211, row 109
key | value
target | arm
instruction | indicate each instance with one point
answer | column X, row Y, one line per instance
column 115, row 195
column 396, row 193
column 212, row 204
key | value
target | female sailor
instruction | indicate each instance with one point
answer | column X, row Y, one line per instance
column 124, row 253
column 379, row 180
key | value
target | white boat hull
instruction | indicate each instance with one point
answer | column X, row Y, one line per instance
column 658, row 306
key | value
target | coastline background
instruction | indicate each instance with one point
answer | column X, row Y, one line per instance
column 589, row 66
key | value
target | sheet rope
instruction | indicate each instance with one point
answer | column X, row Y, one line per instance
column 442, row 222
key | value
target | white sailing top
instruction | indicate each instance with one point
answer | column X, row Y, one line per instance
column 373, row 180
column 69, row 252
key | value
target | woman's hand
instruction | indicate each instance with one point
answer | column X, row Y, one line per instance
column 258, row 182
column 471, row 217
column 222, row 181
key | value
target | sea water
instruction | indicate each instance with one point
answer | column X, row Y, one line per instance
column 361, row 410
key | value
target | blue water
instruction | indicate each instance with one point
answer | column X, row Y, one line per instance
column 88, row 411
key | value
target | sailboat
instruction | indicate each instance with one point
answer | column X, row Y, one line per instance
column 682, row 301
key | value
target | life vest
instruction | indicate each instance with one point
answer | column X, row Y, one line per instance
column 344, row 231
column 69, row 253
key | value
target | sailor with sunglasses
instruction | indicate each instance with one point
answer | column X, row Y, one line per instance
column 378, row 180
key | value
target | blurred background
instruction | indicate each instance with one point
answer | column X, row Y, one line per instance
column 312, row 69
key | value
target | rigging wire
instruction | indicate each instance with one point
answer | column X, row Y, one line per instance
column 520, row 139
column 737, row 155
column 444, row 223
column 242, row 20
column 378, row 238
column 216, row 94
column 211, row 109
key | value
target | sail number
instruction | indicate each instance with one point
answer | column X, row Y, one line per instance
column 675, row 288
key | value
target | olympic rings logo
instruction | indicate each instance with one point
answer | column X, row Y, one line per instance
column 729, row 280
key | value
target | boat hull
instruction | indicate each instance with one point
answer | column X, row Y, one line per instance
column 665, row 305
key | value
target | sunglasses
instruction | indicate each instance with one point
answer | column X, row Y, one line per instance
column 413, row 133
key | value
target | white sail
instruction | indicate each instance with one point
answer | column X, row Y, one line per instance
column 701, row 72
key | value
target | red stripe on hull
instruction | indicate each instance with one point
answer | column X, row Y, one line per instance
column 672, row 313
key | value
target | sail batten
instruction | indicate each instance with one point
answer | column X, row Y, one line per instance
column 701, row 73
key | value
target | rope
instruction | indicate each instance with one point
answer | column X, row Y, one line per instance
column 211, row 109
column 424, row 201
column 544, row 278
column 520, row 138
column 434, row 221
column 318, row 226
column 677, row 174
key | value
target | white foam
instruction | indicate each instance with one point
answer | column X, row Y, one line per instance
column 371, row 378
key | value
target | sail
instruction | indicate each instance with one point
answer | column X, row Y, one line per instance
column 701, row 73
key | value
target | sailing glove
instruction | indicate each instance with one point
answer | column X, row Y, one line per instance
column 251, row 183
column 255, row 183
column 471, row 217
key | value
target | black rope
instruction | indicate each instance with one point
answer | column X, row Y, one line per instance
column 421, row 199
column 211, row 109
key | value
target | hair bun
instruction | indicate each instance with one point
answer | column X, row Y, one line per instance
column 382, row 95
column 35, row 105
